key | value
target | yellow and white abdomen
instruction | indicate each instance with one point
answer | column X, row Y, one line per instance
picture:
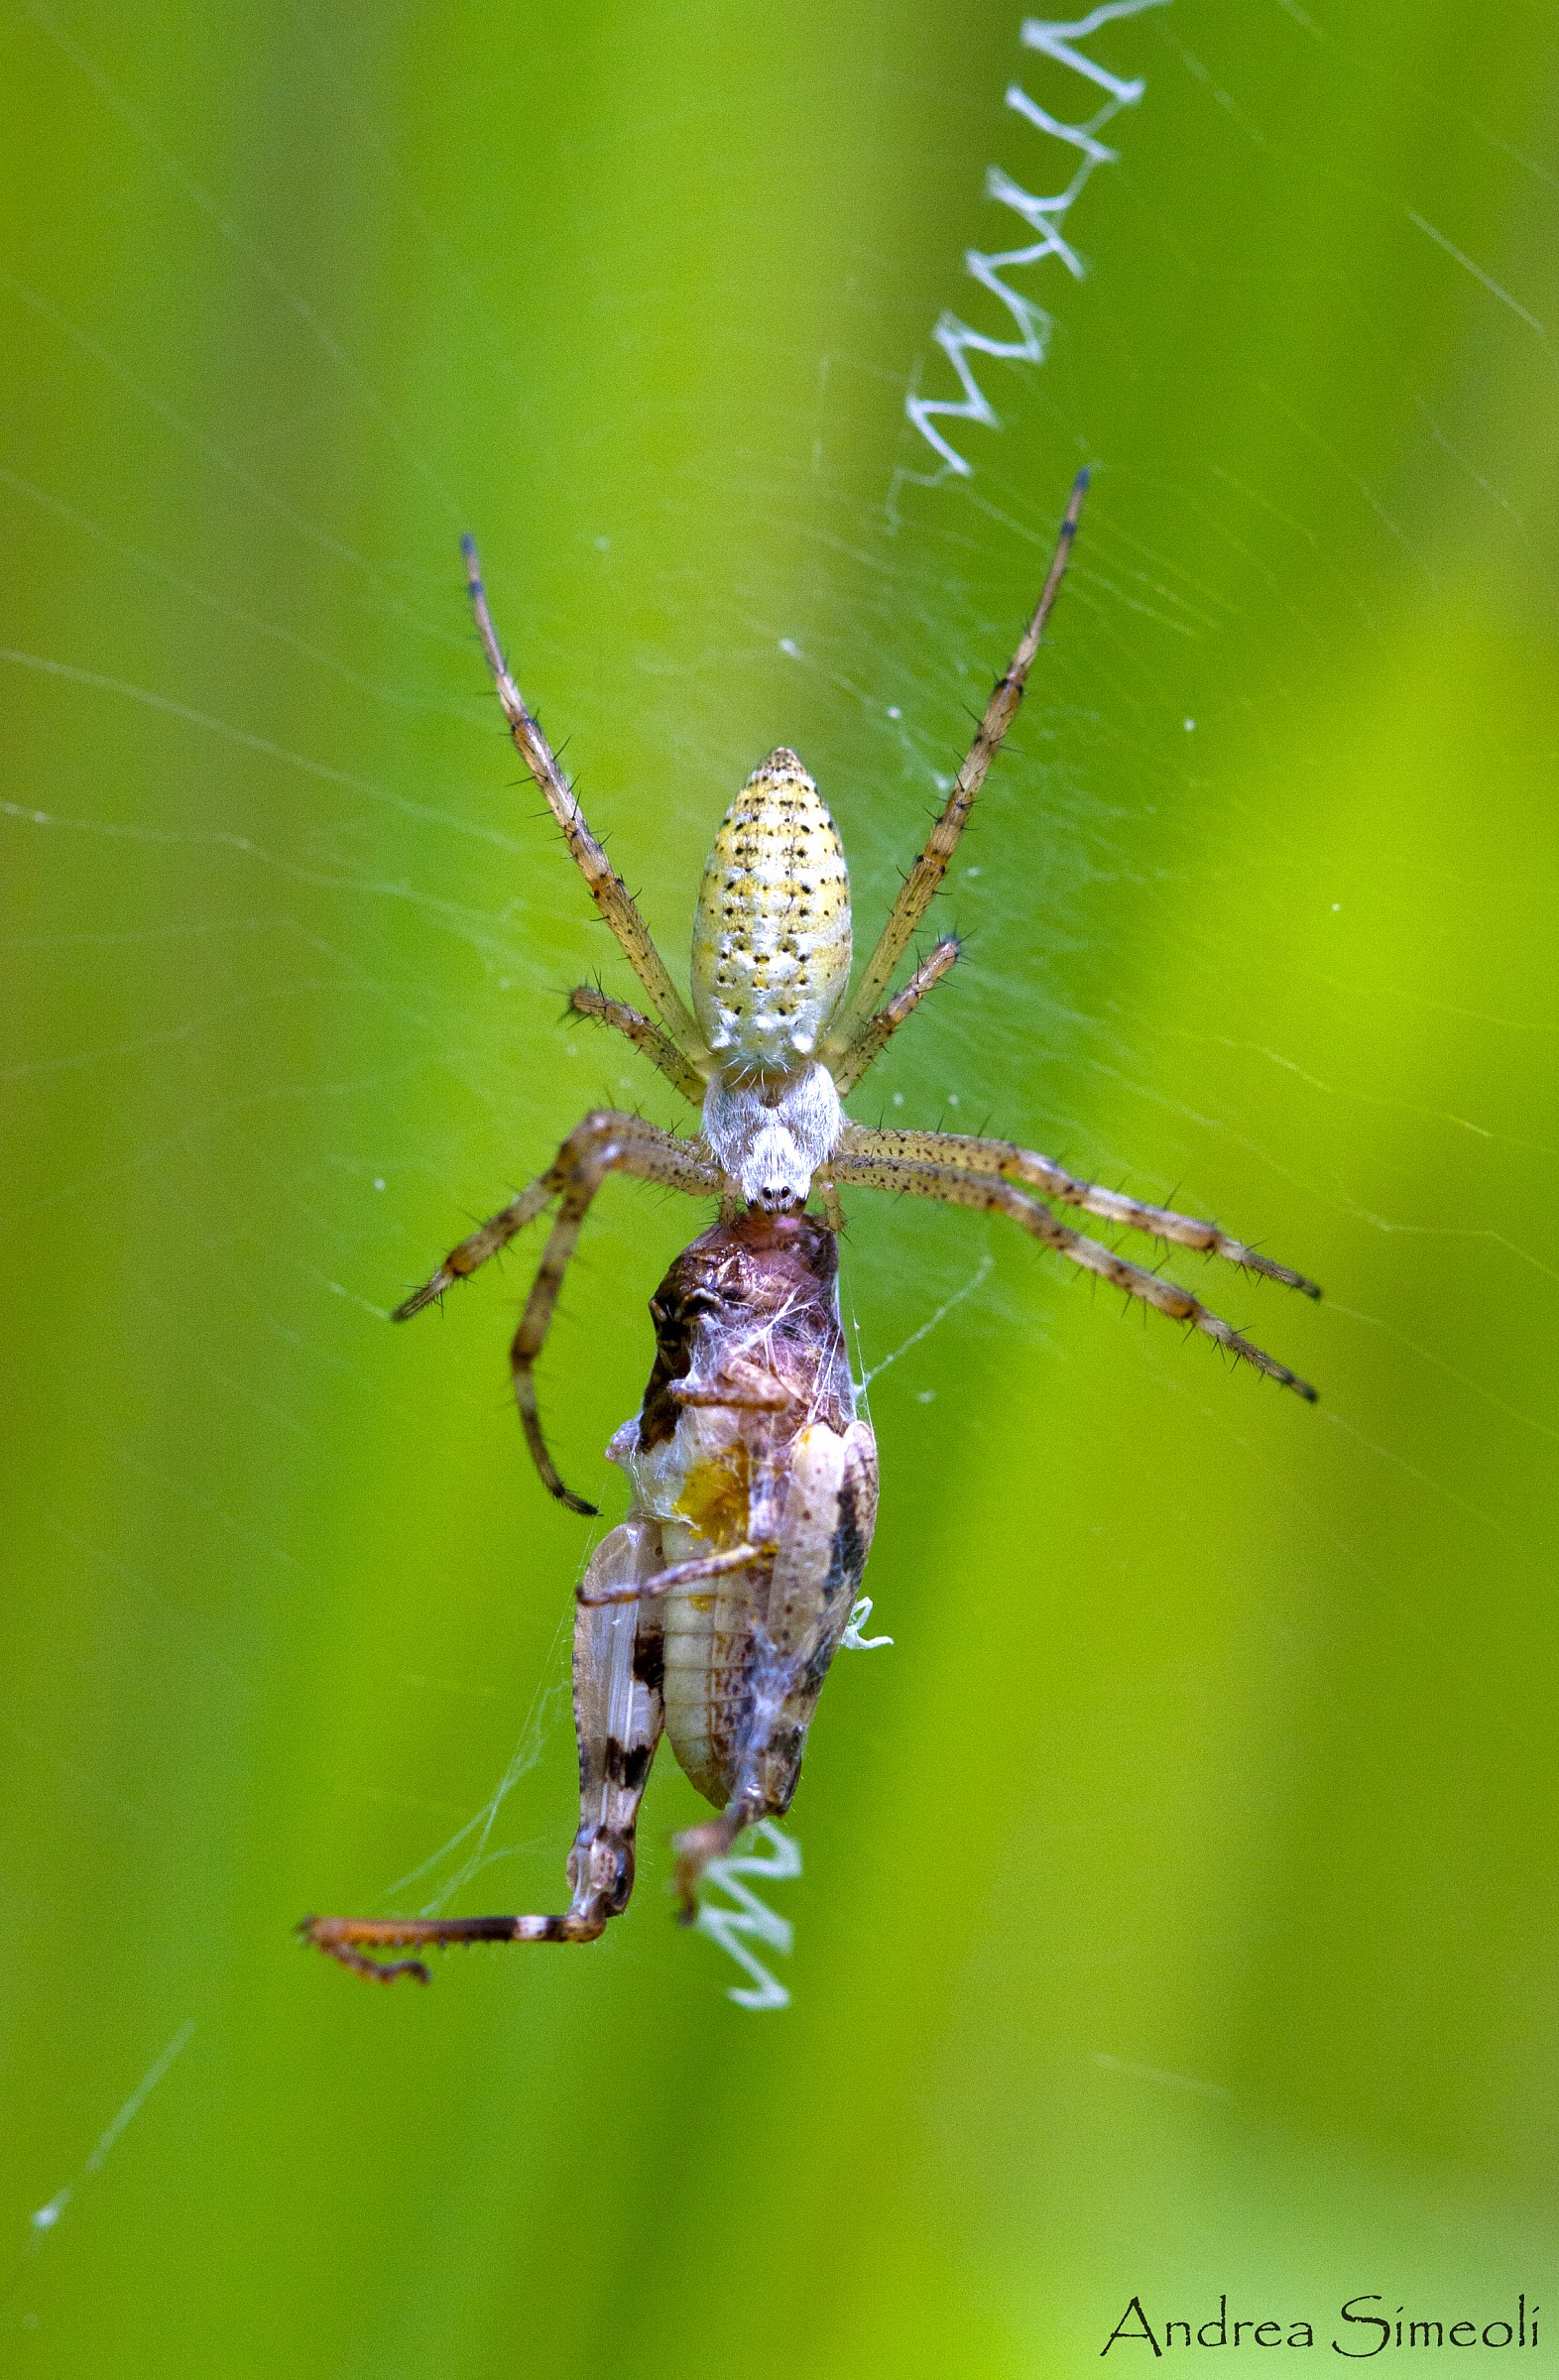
column 772, row 936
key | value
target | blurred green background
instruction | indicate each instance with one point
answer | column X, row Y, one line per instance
column 1179, row 1909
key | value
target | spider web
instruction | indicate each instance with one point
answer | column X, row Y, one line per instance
column 1259, row 913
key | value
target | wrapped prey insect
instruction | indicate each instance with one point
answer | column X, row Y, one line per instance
column 713, row 1610
column 712, row 1613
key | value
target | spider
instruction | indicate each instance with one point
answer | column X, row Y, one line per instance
column 775, row 1040
column 712, row 1613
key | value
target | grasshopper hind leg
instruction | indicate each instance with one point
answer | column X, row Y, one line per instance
column 619, row 1705
column 619, row 1711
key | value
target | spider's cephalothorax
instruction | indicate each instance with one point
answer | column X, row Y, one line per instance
column 714, row 1609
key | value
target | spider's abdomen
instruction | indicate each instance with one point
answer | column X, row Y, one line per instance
column 772, row 936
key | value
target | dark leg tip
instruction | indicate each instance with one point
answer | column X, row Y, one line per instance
column 429, row 1295
column 373, row 1971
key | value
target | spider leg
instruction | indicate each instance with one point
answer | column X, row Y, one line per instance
column 645, row 1037
column 603, row 1143
column 495, row 1235
column 878, row 1031
column 955, row 1187
column 619, row 1706
column 607, row 889
column 486, row 1241
column 964, row 1153
column 925, row 877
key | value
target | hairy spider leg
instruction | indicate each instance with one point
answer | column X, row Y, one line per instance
column 495, row 1235
column 486, row 1241
column 647, row 1037
column 607, row 889
column 819, row 1556
column 874, row 1037
column 956, row 1187
column 603, row 1143
column 619, row 1709
column 833, row 1208
column 921, row 885
column 963, row 1152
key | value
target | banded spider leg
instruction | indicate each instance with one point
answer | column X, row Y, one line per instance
column 1002, row 1179
column 601, row 1143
